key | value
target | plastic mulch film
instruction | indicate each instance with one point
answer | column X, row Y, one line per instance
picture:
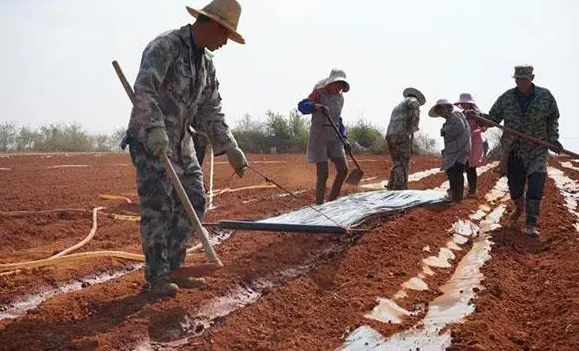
column 353, row 209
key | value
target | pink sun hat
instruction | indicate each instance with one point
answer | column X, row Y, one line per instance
column 465, row 98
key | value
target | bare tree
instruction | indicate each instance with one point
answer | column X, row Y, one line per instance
column 7, row 136
column 101, row 143
column 26, row 139
column 116, row 138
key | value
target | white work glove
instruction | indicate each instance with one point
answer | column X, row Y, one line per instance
column 237, row 160
column 158, row 141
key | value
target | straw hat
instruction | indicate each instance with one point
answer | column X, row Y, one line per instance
column 440, row 102
column 224, row 12
column 336, row 75
column 465, row 98
column 416, row 93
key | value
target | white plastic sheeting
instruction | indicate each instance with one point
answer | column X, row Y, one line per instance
column 352, row 209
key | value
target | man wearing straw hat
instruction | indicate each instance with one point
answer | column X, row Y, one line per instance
column 176, row 88
column 532, row 110
column 400, row 136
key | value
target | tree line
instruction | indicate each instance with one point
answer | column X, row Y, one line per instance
column 289, row 134
column 278, row 132
column 56, row 137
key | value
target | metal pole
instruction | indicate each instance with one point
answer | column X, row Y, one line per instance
column 281, row 227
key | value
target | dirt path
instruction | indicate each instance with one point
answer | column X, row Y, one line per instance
column 531, row 300
column 316, row 311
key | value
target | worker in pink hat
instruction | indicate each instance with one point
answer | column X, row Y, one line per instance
column 466, row 103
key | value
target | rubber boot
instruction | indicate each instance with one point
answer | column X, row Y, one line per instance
column 163, row 287
column 320, row 191
column 189, row 282
column 342, row 173
column 532, row 207
column 532, row 231
column 335, row 192
column 471, row 192
column 516, row 215
column 321, row 179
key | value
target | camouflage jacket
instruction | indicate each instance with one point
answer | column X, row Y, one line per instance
column 404, row 120
column 537, row 116
column 174, row 91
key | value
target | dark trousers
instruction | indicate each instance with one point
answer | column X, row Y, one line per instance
column 322, row 171
column 455, row 176
column 471, row 176
column 517, row 179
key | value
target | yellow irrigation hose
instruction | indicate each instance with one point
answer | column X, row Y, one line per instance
column 62, row 256
column 16, row 213
column 114, row 197
column 228, row 190
column 125, row 217
column 85, row 240
column 78, row 256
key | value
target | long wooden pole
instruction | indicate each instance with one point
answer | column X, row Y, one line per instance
column 528, row 137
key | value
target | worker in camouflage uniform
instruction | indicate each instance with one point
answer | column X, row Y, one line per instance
column 533, row 111
column 400, row 136
column 176, row 88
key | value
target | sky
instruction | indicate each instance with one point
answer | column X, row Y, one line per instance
column 55, row 64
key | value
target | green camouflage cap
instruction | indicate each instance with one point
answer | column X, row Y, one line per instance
column 525, row 71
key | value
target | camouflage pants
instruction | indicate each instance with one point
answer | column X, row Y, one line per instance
column 165, row 226
column 400, row 151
